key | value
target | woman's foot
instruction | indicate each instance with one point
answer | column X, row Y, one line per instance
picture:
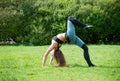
column 88, row 26
column 92, row 65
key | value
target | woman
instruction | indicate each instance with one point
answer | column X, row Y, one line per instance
column 71, row 37
column 59, row 57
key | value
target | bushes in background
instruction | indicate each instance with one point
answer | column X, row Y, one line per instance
column 36, row 22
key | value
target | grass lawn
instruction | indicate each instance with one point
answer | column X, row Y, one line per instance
column 23, row 63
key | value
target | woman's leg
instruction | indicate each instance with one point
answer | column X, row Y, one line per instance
column 71, row 31
column 78, row 23
column 81, row 44
column 86, row 56
column 76, row 40
column 71, row 34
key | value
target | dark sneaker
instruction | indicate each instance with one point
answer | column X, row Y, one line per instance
column 92, row 65
column 88, row 26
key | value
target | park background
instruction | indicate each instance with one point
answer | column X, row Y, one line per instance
column 35, row 22
column 29, row 26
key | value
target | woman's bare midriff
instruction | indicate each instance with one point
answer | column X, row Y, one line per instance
column 62, row 37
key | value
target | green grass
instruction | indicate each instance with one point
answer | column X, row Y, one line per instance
column 23, row 63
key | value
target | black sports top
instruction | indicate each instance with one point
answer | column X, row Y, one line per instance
column 60, row 41
column 57, row 40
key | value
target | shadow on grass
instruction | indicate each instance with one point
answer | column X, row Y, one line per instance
column 105, row 66
column 77, row 65
column 98, row 66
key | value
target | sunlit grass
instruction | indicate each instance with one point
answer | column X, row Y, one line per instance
column 23, row 63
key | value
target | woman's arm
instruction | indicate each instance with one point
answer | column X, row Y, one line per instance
column 52, row 56
column 52, row 46
column 51, row 59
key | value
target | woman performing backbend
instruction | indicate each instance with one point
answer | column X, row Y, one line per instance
column 71, row 37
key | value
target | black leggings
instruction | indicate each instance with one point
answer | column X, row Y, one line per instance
column 76, row 22
column 86, row 55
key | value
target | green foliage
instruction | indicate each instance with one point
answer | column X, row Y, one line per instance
column 8, row 19
column 35, row 22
